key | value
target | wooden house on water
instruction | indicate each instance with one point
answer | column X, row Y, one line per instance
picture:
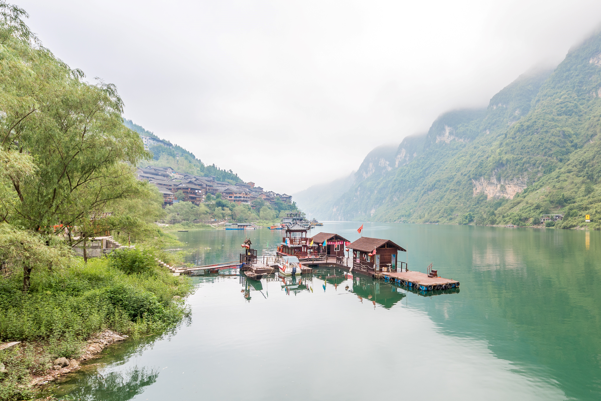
column 334, row 245
column 323, row 245
column 294, row 243
column 374, row 256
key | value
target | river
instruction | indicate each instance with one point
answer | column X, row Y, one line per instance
column 526, row 325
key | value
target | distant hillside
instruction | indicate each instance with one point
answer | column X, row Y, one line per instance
column 535, row 149
column 166, row 154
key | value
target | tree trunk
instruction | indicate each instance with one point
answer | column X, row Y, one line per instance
column 85, row 253
column 128, row 239
column 26, row 277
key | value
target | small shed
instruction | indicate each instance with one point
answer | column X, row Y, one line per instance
column 375, row 255
column 334, row 244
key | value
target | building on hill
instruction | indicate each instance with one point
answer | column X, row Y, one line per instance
column 193, row 193
column 168, row 197
column 195, row 188
column 551, row 217
column 240, row 196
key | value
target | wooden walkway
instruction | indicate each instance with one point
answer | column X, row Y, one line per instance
column 421, row 281
column 330, row 261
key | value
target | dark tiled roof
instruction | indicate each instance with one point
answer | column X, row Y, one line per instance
column 366, row 244
column 321, row 237
column 296, row 227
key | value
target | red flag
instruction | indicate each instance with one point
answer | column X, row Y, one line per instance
column 360, row 229
column 374, row 252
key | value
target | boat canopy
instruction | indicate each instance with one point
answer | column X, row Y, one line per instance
column 290, row 259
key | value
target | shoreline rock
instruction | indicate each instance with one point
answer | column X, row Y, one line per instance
column 94, row 346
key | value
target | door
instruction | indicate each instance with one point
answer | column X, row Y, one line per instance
column 377, row 263
column 393, row 262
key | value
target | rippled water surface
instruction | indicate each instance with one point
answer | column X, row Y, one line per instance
column 524, row 326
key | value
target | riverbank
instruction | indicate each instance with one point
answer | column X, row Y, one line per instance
column 72, row 314
column 171, row 228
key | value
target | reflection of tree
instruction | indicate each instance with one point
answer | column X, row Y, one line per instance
column 113, row 386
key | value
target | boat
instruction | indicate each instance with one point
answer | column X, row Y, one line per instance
column 276, row 228
column 289, row 265
column 240, row 227
column 315, row 223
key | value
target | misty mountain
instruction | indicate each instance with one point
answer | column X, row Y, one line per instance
column 533, row 150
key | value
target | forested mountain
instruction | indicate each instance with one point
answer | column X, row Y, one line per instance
column 165, row 154
column 533, row 150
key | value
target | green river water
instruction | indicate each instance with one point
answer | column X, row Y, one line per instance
column 526, row 325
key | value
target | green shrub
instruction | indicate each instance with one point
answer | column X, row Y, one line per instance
column 549, row 224
column 133, row 261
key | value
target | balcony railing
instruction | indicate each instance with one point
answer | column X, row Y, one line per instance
column 296, row 241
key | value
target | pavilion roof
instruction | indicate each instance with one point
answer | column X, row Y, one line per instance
column 366, row 244
column 321, row 237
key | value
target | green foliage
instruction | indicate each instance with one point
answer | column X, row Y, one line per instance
column 14, row 384
column 549, row 224
column 133, row 261
column 218, row 208
column 467, row 219
column 84, row 299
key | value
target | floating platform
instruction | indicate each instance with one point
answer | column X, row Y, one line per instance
column 201, row 270
column 421, row 281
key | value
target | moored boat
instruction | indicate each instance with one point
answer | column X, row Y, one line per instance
column 289, row 266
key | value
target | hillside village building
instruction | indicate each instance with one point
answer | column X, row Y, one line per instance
column 196, row 188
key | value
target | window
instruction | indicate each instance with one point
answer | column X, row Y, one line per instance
column 337, row 247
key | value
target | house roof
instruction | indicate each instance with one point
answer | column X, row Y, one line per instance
column 366, row 244
column 321, row 237
column 296, row 227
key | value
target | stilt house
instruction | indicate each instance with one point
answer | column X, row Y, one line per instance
column 374, row 255
column 334, row 244
column 294, row 243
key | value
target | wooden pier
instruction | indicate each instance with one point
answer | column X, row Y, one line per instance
column 420, row 281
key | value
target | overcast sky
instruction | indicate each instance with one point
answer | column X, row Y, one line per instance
column 291, row 93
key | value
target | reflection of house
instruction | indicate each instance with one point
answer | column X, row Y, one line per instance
column 334, row 244
column 551, row 217
column 376, row 291
column 374, row 255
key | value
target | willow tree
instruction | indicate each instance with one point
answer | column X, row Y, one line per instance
column 70, row 130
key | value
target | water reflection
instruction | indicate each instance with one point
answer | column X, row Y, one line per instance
column 112, row 386
column 525, row 325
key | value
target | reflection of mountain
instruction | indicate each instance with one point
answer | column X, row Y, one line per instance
column 492, row 258
column 531, row 295
column 114, row 386
column 379, row 292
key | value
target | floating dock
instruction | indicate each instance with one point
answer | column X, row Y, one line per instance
column 421, row 281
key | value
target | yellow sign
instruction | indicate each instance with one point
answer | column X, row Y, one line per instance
column 587, row 217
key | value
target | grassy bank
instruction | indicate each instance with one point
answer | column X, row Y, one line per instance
column 127, row 293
